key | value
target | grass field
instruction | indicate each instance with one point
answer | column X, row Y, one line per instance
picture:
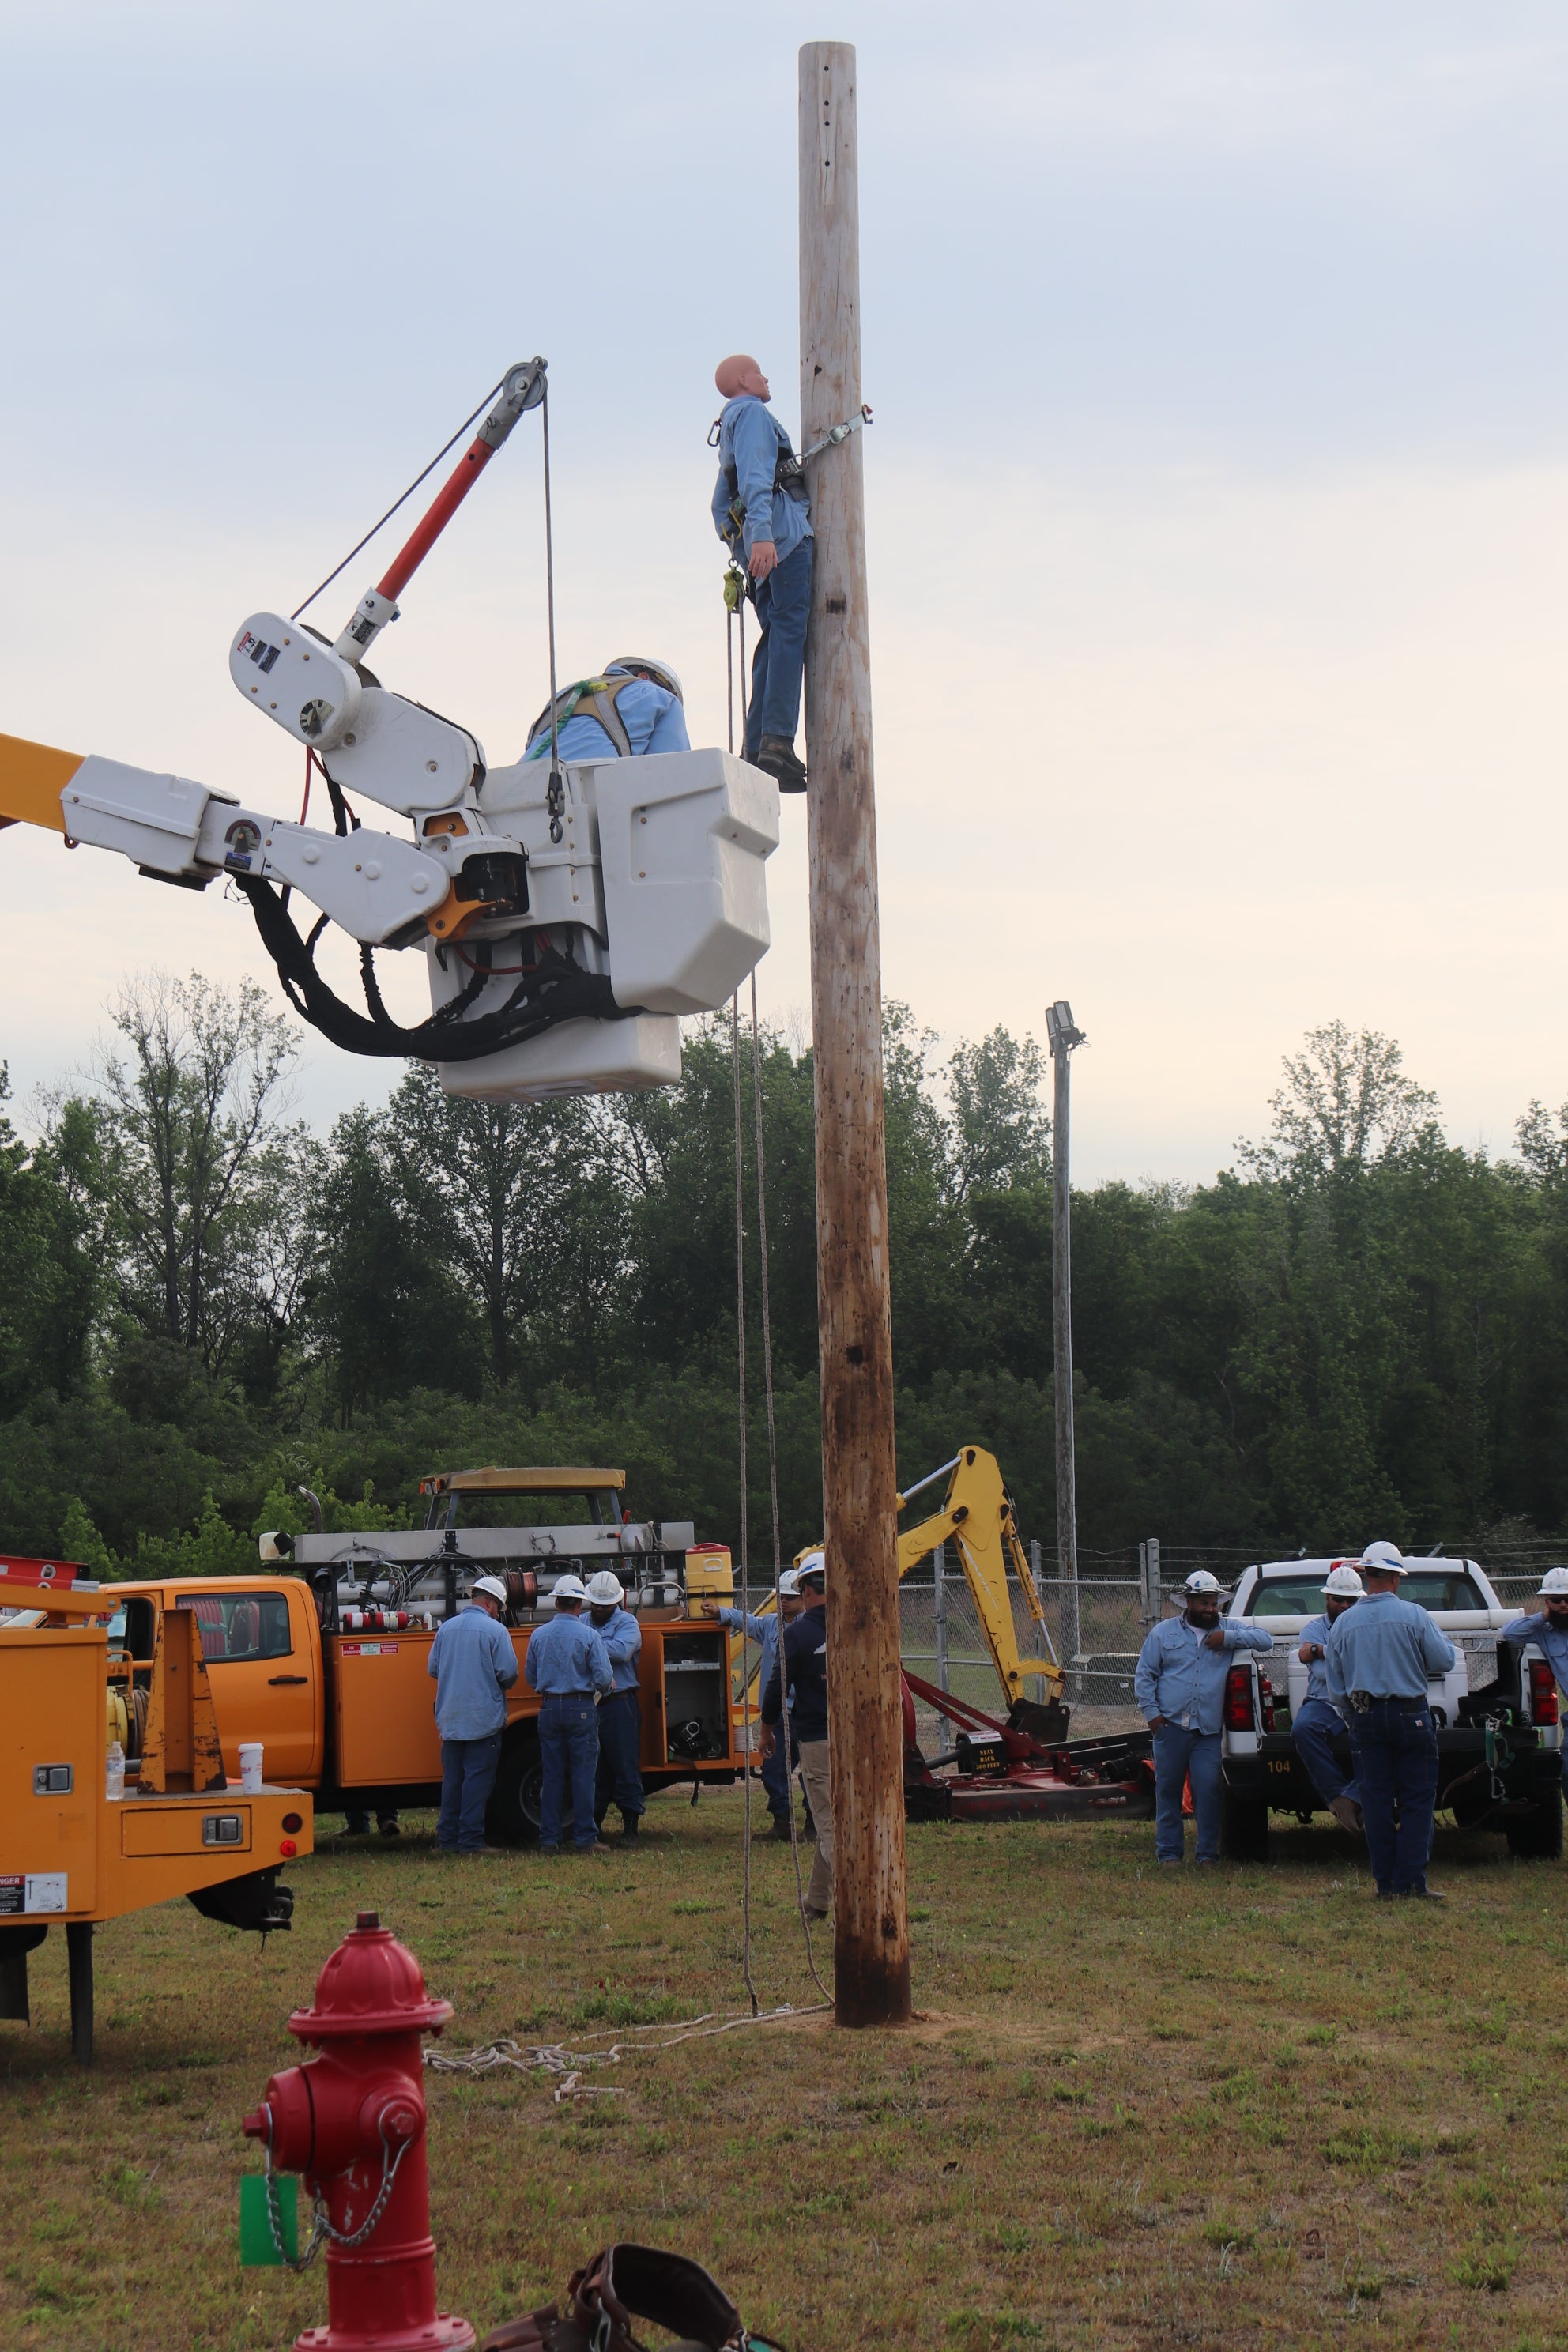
column 1140, row 2109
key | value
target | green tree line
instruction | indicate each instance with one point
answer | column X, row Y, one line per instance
column 204, row 1306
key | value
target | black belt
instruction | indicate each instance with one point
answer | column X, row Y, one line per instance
column 1361, row 1700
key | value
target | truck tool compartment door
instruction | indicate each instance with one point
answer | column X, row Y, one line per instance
column 260, row 1645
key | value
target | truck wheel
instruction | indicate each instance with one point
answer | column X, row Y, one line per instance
column 514, row 1807
column 1243, row 1828
column 1537, row 1836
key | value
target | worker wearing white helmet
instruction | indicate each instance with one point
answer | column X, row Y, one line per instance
column 1180, row 1690
column 618, row 1779
column 635, row 706
column 803, row 1676
column 1547, row 1627
column 776, row 1765
column 569, row 1666
column 1380, row 1657
column 474, row 1663
column 1317, row 1722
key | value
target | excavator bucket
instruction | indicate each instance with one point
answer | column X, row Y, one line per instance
column 32, row 778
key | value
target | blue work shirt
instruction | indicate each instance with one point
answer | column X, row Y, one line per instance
column 1386, row 1647
column 622, row 1637
column 566, row 1658
column 1551, row 1640
column 764, row 1630
column 473, row 1661
column 750, row 438
column 1318, row 1629
column 651, row 715
column 1181, row 1678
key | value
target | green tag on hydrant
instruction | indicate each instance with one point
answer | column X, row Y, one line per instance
column 257, row 2246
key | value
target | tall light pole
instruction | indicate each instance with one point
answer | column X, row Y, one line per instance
column 1064, row 1035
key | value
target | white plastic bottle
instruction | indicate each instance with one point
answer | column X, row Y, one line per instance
column 115, row 1781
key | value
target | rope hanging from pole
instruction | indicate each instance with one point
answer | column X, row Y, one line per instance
column 745, row 1494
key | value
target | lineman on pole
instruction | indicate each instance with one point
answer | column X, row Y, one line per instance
column 760, row 513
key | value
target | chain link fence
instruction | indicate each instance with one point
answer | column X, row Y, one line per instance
column 1095, row 1627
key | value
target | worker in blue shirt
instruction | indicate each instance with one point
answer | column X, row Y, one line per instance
column 804, row 1675
column 1317, row 1722
column 635, row 708
column 567, row 1664
column 760, row 512
column 1549, row 1632
column 781, row 1758
column 618, row 1779
column 474, row 1664
column 1380, row 1656
column 1180, row 1690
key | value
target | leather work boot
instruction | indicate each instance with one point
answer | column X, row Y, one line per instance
column 777, row 759
column 1347, row 1813
column 629, row 1829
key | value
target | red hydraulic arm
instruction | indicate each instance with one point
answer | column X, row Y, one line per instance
column 522, row 388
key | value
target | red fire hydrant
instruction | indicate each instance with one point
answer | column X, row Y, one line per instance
column 353, row 2123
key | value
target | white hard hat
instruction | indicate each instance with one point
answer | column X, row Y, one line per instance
column 1345, row 1584
column 814, row 1564
column 1554, row 1584
column 493, row 1586
column 569, row 1588
column 659, row 671
column 603, row 1589
column 1386, row 1557
column 789, row 1582
column 1201, row 1580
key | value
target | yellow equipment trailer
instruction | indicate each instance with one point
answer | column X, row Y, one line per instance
column 71, row 1854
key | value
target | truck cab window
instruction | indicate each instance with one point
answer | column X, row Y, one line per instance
column 245, row 1627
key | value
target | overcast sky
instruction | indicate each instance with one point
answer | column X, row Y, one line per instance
column 1217, row 493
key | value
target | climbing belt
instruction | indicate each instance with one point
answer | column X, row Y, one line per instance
column 783, row 1729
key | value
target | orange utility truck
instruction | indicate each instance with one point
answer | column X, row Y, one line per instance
column 86, row 1835
column 326, row 1665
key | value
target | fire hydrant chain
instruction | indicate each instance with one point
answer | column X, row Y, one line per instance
column 321, row 2229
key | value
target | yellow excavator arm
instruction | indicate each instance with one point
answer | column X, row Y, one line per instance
column 977, row 1518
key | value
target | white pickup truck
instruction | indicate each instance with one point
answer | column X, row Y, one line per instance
column 1499, row 1736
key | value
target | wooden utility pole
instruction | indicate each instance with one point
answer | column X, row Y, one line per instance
column 1063, row 1036
column 871, row 1936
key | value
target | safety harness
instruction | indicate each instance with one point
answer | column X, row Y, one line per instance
column 789, row 471
column 590, row 697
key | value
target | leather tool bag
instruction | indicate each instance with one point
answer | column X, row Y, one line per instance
column 623, row 2283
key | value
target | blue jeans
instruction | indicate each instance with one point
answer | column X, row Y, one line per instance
column 467, row 1776
column 618, row 1779
column 569, row 1752
column 1313, row 1728
column 777, row 1771
column 1181, row 1756
column 778, row 665
column 1396, row 1763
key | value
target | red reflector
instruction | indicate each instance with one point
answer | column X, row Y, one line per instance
column 1238, row 1714
column 292, row 1822
column 1543, row 1692
column 286, row 1846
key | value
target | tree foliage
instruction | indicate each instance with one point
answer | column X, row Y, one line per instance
column 1359, row 1329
